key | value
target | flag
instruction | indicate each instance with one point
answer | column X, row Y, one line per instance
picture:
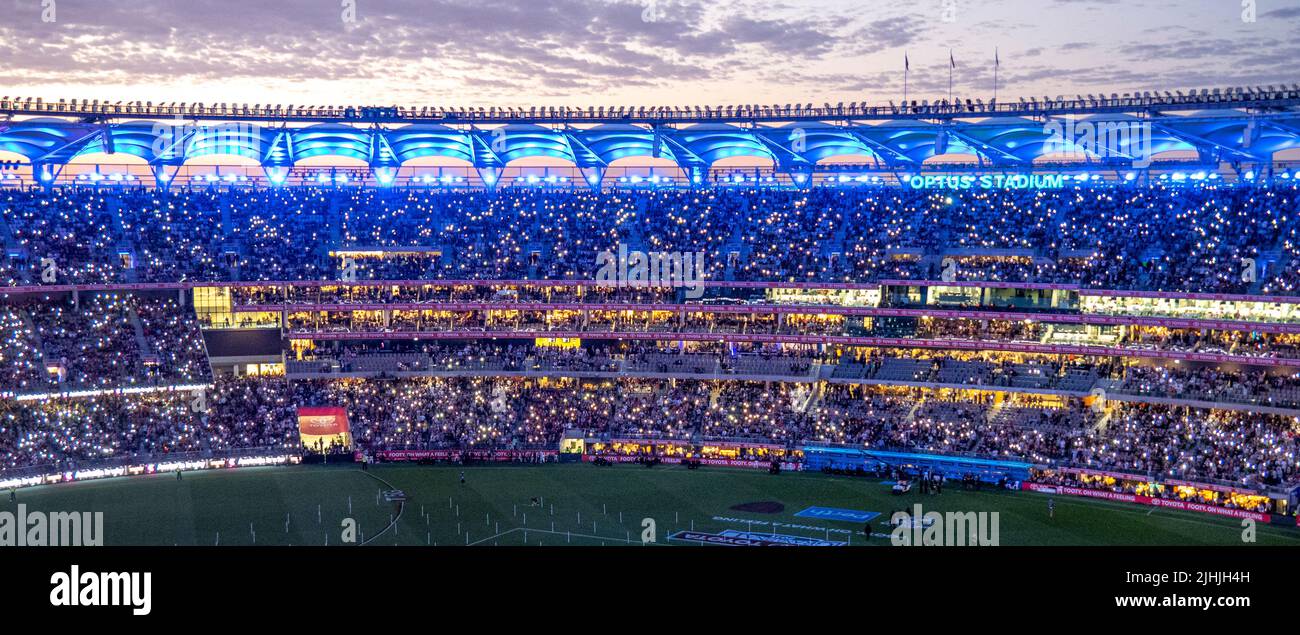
column 906, row 66
column 996, row 62
column 951, row 60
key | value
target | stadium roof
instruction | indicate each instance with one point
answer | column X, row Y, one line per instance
column 1219, row 135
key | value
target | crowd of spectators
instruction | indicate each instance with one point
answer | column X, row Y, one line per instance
column 498, row 412
column 1150, row 237
column 986, row 370
column 99, row 341
column 935, row 332
column 1209, row 383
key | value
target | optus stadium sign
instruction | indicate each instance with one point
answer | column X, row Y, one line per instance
column 987, row 182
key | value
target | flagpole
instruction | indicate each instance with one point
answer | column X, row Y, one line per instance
column 906, row 68
column 951, row 65
column 996, row 63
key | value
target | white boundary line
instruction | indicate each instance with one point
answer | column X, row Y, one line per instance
column 563, row 533
column 401, row 509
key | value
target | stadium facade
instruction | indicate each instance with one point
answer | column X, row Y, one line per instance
column 1237, row 133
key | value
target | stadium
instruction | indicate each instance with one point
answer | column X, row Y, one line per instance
column 658, row 305
column 603, row 321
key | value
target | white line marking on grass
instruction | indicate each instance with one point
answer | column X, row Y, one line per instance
column 567, row 534
column 401, row 508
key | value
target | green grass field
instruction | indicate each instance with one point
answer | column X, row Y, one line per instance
column 580, row 505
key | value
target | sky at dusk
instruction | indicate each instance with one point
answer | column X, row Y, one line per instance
column 638, row 52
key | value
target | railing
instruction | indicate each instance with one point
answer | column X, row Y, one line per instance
column 710, row 368
column 961, row 344
column 697, row 367
column 988, row 312
column 766, row 308
column 126, row 460
column 1049, row 464
column 939, row 109
column 178, row 457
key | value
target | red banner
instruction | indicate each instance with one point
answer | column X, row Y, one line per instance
column 320, row 428
column 1146, row 500
column 448, row 455
column 676, row 460
column 322, row 421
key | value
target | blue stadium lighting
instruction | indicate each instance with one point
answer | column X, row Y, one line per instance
column 799, row 178
column 1179, row 176
column 1130, row 176
column 1249, row 175
column 1286, row 175
column 1198, row 176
